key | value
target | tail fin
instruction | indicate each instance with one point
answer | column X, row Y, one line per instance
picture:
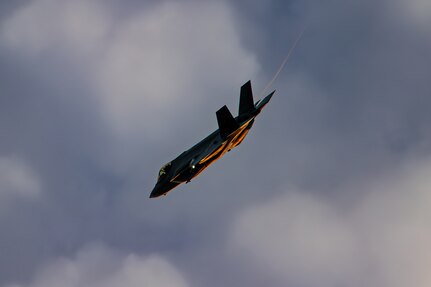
column 246, row 103
column 226, row 122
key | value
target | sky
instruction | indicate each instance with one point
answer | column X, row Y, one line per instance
column 331, row 187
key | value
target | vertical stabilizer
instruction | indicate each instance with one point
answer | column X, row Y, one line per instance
column 226, row 122
column 246, row 103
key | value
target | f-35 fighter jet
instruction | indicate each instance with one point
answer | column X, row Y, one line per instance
column 231, row 133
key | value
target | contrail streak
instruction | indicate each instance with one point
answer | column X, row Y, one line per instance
column 286, row 59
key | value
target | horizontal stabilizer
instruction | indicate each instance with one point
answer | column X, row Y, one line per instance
column 246, row 103
column 227, row 124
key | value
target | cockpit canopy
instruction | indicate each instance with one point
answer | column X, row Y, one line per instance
column 164, row 171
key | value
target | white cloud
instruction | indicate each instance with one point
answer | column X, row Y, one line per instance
column 98, row 266
column 171, row 56
column 154, row 68
column 17, row 179
column 382, row 239
column 142, row 67
column 417, row 10
column 49, row 25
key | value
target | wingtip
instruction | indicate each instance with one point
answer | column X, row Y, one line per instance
column 270, row 96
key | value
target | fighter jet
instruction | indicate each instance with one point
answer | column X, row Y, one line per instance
column 230, row 134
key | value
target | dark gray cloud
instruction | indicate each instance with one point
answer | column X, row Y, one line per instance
column 98, row 95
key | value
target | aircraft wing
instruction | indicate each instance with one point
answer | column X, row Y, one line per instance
column 262, row 103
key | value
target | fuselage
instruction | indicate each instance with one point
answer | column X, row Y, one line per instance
column 230, row 134
column 195, row 160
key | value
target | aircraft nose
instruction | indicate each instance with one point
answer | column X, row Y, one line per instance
column 155, row 192
column 152, row 195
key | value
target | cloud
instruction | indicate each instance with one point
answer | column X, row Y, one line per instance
column 17, row 179
column 155, row 67
column 380, row 238
column 96, row 265
column 144, row 66
column 418, row 10
column 133, row 84
column 169, row 57
column 49, row 25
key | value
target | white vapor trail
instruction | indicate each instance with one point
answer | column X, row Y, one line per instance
column 286, row 59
